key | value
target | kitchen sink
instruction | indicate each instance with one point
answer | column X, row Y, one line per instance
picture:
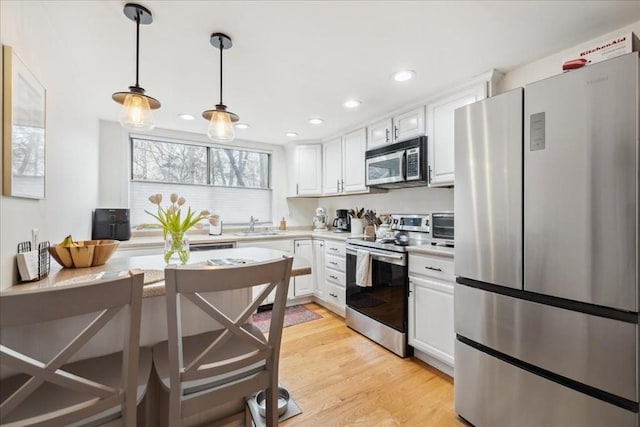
column 256, row 233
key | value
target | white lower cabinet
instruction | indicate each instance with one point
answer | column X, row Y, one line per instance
column 431, row 325
column 319, row 284
column 303, row 285
column 336, row 294
column 281, row 245
column 334, row 271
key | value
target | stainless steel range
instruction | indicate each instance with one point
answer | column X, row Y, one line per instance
column 378, row 283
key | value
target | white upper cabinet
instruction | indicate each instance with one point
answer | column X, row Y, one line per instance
column 380, row 133
column 332, row 166
column 440, row 132
column 309, row 170
column 354, row 145
column 398, row 128
column 408, row 125
column 343, row 166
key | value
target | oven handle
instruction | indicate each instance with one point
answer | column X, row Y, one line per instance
column 399, row 257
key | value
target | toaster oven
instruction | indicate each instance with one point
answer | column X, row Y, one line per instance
column 442, row 228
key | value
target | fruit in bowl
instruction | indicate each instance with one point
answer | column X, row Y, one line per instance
column 83, row 253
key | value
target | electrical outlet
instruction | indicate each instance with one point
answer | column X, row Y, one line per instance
column 34, row 238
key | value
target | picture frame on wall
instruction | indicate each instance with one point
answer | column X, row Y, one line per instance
column 24, row 130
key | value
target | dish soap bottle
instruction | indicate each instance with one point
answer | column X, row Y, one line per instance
column 283, row 224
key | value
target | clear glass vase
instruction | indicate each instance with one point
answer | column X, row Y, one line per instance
column 176, row 247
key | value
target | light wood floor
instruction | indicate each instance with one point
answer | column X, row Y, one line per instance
column 340, row 378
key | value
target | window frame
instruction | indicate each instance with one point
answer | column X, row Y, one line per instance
column 209, row 172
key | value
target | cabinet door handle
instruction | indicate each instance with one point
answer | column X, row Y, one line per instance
column 297, row 189
column 342, row 185
column 429, row 175
column 433, row 268
column 395, row 132
column 386, row 138
column 337, row 185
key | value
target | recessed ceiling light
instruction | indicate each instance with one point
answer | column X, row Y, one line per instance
column 292, row 134
column 316, row 121
column 242, row 126
column 352, row 103
column 404, row 75
column 186, row 116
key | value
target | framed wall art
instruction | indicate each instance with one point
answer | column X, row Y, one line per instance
column 24, row 136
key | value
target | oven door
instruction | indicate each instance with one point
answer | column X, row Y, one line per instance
column 386, row 301
column 385, row 169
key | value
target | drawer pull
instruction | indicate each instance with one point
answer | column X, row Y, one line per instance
column 333, row 249
column 433, row 268
column 334, row 295
column 333, row 277
column 333, row 262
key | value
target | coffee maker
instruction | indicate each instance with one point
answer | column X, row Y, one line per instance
column 342, row 222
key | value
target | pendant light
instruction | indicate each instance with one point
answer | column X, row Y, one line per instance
column 136, row 106
column 220, row 120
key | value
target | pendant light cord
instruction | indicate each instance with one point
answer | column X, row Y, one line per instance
column 221, row 47
column 137, row 45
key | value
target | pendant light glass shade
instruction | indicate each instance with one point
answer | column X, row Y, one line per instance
column 221, row 127
column 136, row 106
column 136, row 113
column 220, row 120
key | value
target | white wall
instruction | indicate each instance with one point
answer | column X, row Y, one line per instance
column 71, row 140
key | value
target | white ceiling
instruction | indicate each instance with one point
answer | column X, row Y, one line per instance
column 293, row 60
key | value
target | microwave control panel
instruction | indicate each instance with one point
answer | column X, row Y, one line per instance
column 413, row 164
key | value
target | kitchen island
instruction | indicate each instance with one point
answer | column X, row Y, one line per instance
column 40, row 341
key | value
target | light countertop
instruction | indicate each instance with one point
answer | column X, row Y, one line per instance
column 153, row 267
column 147, row 240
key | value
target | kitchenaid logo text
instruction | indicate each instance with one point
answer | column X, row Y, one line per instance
column 604, row 46
column 598, row 80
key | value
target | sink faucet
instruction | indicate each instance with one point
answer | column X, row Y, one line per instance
column 252, row 224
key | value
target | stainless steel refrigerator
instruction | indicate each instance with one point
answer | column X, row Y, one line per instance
column 546, row 252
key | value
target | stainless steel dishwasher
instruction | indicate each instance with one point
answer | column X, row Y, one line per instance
column 210, row 246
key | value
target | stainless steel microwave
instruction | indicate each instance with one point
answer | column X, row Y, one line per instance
column 403, row 164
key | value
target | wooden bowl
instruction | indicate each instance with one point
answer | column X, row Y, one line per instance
column 88, row 253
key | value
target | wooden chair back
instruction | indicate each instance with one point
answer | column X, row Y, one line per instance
column 104, row 297
column 190, row 282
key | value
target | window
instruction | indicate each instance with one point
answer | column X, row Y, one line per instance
column 233, row 182
column 168, row 162
column 237, row 168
